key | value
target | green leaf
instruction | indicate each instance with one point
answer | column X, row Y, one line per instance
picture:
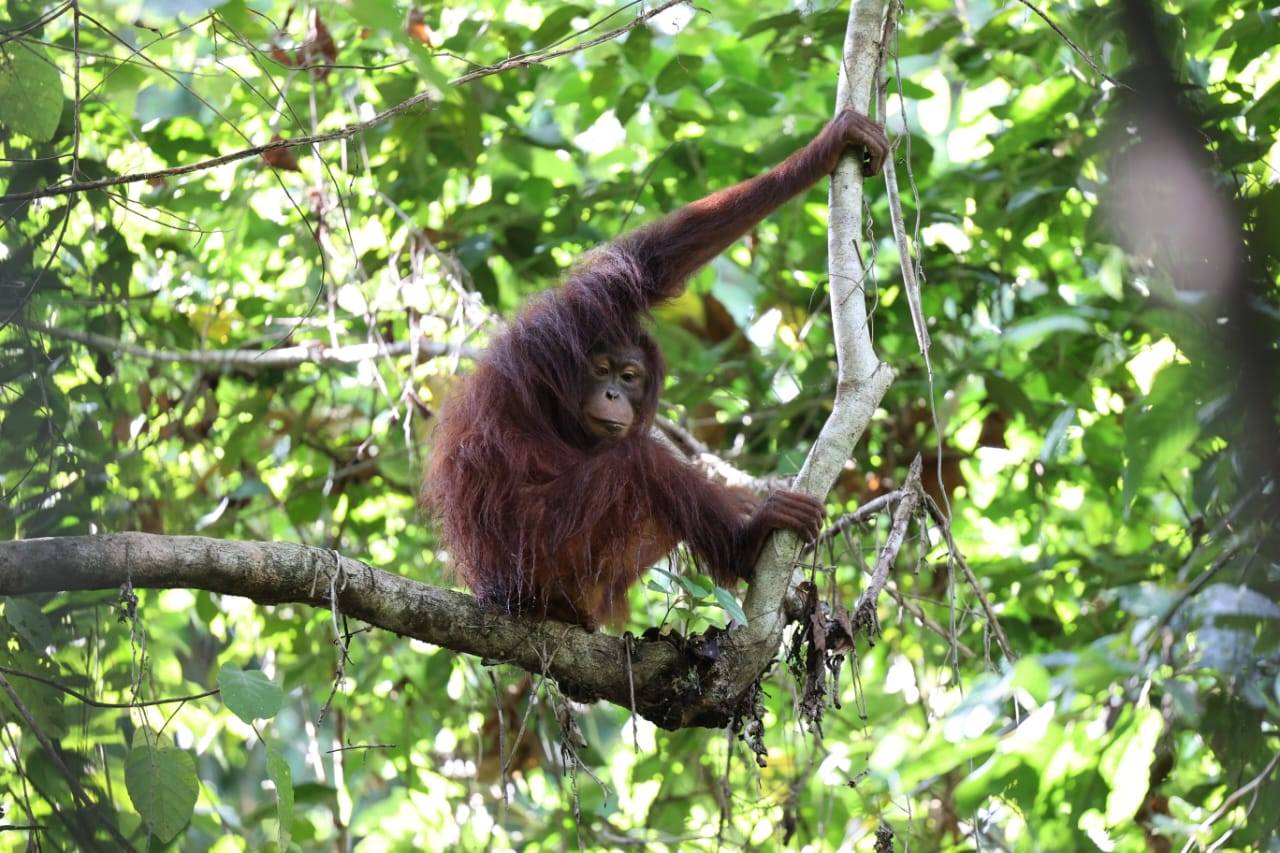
column 1057, row 431
column 44, row 705
column 30, row 90
column 556, row 24
column 282, row 777
column 1111, row 273
column 29, row 621
column 162, row 785
column 662, row 581
column 250, row 695
column 676, row 73
column 1159, row 429
column 1031, row 332
column 910, row 89
column 697, row 588
column 782, row 22
column 249, row 489
column 730, row 605
column 1126, row 765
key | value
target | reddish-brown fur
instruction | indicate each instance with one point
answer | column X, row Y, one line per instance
column 542, row 517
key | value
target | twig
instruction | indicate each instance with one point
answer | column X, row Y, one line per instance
column 1077, row 49
column 927, row 621
column 9, row 34
column 30, row 676
column 522, row 61
column 718, row 467
column 502, row 734
column 341, row 133
column 355, row 746
column 56, row 757
column 1001, row 639
column 1235, row 797
column 1198, row 584
column 628, row 640
column 912, row 492
column 849, row 519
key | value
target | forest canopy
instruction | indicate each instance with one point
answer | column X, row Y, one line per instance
column 249, row 248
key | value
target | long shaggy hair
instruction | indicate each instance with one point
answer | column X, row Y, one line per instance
column 538, row 514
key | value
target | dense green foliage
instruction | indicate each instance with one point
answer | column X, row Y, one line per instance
column 1085, row 422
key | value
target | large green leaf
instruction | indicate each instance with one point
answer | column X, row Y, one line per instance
column 1159, row 429
column 1126, row 764
column 29, row 621
column 30, row 90
column 163, row 787
column 282, row 777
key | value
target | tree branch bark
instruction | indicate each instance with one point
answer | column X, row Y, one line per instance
column 861, row 379
column 588, row 666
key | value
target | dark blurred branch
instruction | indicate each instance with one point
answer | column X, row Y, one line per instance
column 1075, row 48
column 539, row 57
column 88, row 700
column 1206, row 248
column 1235, row 797
column 55, row 758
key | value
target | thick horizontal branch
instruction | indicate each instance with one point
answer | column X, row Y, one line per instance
column 251, row 359
column 672, row 685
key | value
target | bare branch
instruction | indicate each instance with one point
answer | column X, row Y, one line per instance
column 251, row 359
column 861, row 379
column 858, row 516
column 912, row 492
column 715, row 466
column 88, row 700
